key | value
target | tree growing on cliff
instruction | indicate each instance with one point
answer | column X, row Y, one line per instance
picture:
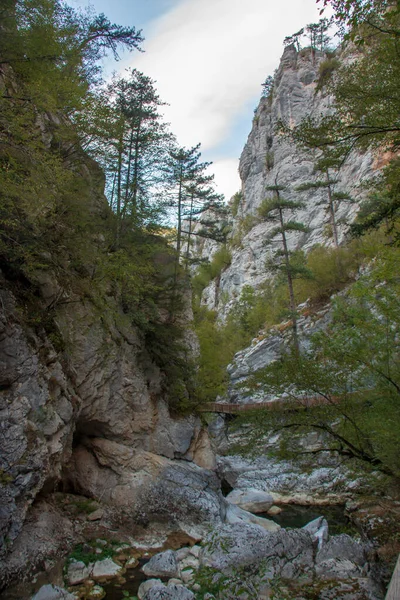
column 274, row 210
column 327, row 168
column 346, row 386
column 55, row 49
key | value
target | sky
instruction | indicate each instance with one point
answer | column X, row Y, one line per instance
column 209, row 59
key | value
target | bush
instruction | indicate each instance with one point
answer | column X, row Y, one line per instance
column 326, row 70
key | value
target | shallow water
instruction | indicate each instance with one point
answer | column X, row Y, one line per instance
column 296, row 515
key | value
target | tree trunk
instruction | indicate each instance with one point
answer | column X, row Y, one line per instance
column 292, row 301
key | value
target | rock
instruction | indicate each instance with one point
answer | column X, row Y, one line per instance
column 96, row 515
column 77, row 572
column 195, row 550
column 268, row 155
column 274, row 510
column 319, row 530
column 341, row 557
column 162, row 565
column 103, row 569
column 182, row 553
column 187, row 575
column 53, row 592
column 234, row 514
column 96, row 593
column 289, row 554
column 172, row 592
column 146, row 586
column 131, row 563
column 250, row 499
column 285, row 481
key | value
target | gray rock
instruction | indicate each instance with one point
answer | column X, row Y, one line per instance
column 105, row 568
column 53, row 592
column 341, row 557
column 319, row 530
column 250, row 499
column 162, row 565
column 77, row 572
column 287, row 553
column 268, row 155
column 172, row 592
column 234, row 514
column 342, row 547
column 146, row 586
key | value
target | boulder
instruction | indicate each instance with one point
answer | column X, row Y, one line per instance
column 77, row 572
column 163, row 564
column 341, row 557
column 53, row 592
column 234, row 514
column 146, row 586
column 171, row 592
column 289, row 554
column 103, row 569
column 251, row 499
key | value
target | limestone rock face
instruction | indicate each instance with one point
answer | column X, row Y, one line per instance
column 267, row 157
column 289, row 553
column 93, row 416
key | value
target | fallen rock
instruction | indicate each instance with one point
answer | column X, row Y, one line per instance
column 162, row 565
column 105, row 568
column 96, row 515
column 171, row 592
column 53, row 592
column 251, row 499
column 77, row 572
column 287, row 553
column 234, row 514
column 146, row 586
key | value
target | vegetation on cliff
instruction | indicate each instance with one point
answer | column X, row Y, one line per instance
column 351, row 369
column 54, row 217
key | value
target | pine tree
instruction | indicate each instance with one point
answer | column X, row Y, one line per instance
column 187, row 178
column 328, row 166
column 274, row 210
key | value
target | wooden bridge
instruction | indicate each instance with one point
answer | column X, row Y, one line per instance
column 276, row 404
column 393, row 592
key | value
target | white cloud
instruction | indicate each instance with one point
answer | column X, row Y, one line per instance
column 226, row 176
column 209, row 58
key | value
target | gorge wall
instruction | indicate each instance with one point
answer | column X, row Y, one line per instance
column 84, row 409
column 269, row 157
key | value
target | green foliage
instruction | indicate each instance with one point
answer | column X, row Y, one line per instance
column 207, row 271
column 353, row 370
column 53, row 217
column 325, row 71
column 329, row 271
column 219, row 342
column 235, row 203
column 86, row 553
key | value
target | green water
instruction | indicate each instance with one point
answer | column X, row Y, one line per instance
column 296, row 515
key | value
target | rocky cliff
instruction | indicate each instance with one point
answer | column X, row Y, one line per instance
column 84, row 409
column 270, row 157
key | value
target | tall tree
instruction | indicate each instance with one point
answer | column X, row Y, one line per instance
column 274, row 210
column 327, row 169
column 54, row 49
column 187, row 177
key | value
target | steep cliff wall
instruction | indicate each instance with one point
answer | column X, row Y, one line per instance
column 268, row 157
column 83, row 405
